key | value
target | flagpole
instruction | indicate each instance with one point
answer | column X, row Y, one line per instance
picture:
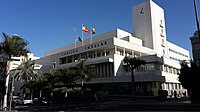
column 91, row 38
column 82, row 35
column 75, row 40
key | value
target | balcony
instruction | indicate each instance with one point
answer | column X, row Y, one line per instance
column 102, row 59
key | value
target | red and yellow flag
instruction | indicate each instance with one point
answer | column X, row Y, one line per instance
column 85, row 29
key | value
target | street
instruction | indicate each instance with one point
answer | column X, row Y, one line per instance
column 117, row 104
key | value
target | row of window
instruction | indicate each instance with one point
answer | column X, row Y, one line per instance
column 176, row 59
column 99, row 44
column 172, row 86
column 171, row 70
column 146, row 67
column 75, row 58
column 120, row 52
column 178, row 53
column 154, row 66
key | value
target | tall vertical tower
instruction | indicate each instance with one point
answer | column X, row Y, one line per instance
column 149, row 25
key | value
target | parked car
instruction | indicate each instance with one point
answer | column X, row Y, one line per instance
column 28, row 102
column 40, row 101
column 18, row 100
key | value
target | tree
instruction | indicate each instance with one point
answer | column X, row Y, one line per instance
column 133, row 63
column 9, row 47
column 37, row 85
column 84, row 72
column 25, row 73
column 68, row 78
column 52, row 78
column 189, row 78
column 40, row 84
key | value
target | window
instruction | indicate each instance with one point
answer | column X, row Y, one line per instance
column 161, row 23
column 90, row 56
column 16, row 59
column 121, row 53
column 107, row 53
column 176, row 86
column 69, row 60
column 170, row 70
column 103, row 53
column 163, row 52
column 172, row 85
column 165, row 68
column 62, row 60
column 98, row 54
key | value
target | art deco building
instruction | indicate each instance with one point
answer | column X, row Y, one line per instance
column 107, row 51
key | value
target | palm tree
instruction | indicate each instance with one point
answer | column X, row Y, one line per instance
column 84, row 72
column 37, row 85
column 133, row 63
column 40, row 84
column 25, row 73
column 68, row 78
column 9, row 47
column 52, row 78
column 31, row 85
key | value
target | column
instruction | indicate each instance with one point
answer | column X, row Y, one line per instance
column 115, row 52
column 107, row 70
column 95, row 53
column 124, row 52
column 133, row 53
column 100, row 70
column 97, row 69
column 112, row 69
column 103, row 70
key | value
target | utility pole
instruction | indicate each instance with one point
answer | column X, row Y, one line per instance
column 197, row 18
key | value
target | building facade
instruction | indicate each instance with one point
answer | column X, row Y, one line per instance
column 107, row 51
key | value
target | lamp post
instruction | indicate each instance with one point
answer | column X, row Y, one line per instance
column 11, row 95
column 6, row 86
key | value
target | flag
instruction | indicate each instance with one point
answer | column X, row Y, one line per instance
column 80, row 39
column 93, row 30
column 85, row 29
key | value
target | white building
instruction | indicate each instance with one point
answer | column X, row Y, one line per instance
column 108, row 50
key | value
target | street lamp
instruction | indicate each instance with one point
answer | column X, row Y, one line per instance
column 11, row 95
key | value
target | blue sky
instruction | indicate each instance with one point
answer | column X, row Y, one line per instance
column 50, row 24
